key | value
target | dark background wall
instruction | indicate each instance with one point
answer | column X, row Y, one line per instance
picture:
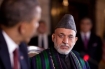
column 78, row 8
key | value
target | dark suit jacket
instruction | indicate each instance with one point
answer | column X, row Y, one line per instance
column 4, row 55
column 34, row 41
column 94, row 47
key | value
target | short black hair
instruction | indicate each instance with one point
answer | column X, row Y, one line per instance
column 86, row 17
column 14, row 11
column 42, row 22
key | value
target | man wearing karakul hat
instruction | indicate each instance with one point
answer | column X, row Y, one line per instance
column 61, row 55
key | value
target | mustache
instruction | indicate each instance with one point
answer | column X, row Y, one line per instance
column 64, row 45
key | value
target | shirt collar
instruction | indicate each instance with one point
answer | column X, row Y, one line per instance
column 87, row 34
column 42, row 35
column 10, row 43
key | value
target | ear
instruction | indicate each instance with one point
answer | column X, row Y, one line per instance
column 53, row 37
column 21, row 28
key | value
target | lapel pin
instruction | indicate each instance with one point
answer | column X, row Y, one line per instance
column 21, row 57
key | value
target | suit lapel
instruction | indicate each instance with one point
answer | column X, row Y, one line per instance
column 81, row 41
column 90, row 41
column 5, row 58
column 4, row 54
column 22, row 61
column 23, row 56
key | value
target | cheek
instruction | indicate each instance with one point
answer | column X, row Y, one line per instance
column 89, row 27
column 34, row 27
column 72, row 42
column 83, row 28
column 59, row 41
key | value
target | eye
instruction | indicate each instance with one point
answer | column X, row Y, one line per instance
column 61, row 36
column 70, row 37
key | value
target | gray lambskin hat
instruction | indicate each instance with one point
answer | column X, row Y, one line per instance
column 67, row 22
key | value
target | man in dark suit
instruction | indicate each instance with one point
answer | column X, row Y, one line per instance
column 18, row 22
column 89, row 44
column 42, row 39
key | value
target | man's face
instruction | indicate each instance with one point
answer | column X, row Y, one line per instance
column 30, row 28
column 42, row 28
column 86, row 25
column 64, row 40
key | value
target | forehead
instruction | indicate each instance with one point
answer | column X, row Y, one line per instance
column 65, row 31
column 42, row 24
column 85, row 21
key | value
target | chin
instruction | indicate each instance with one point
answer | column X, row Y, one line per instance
column 27, row 41
column 63, row 51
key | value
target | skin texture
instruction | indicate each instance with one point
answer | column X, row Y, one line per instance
column 64, row 40
column 29, row 29
column 85, row 25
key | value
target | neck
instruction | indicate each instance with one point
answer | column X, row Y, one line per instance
column 13, row 34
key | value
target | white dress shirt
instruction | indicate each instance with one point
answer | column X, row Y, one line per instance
column 11, row 45
column 45, row 40
column 85, row 34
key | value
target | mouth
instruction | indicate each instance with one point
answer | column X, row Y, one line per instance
column 64, row 47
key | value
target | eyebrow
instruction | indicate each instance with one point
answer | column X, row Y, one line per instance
column 62, row 33
column 68, row 35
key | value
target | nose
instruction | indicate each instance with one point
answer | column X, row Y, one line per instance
column 65, row 40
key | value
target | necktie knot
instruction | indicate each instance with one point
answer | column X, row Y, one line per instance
column 15, row 52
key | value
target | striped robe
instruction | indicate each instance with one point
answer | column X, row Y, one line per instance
column 49, row 59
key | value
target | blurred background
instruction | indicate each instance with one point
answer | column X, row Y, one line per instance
column 53, row 10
